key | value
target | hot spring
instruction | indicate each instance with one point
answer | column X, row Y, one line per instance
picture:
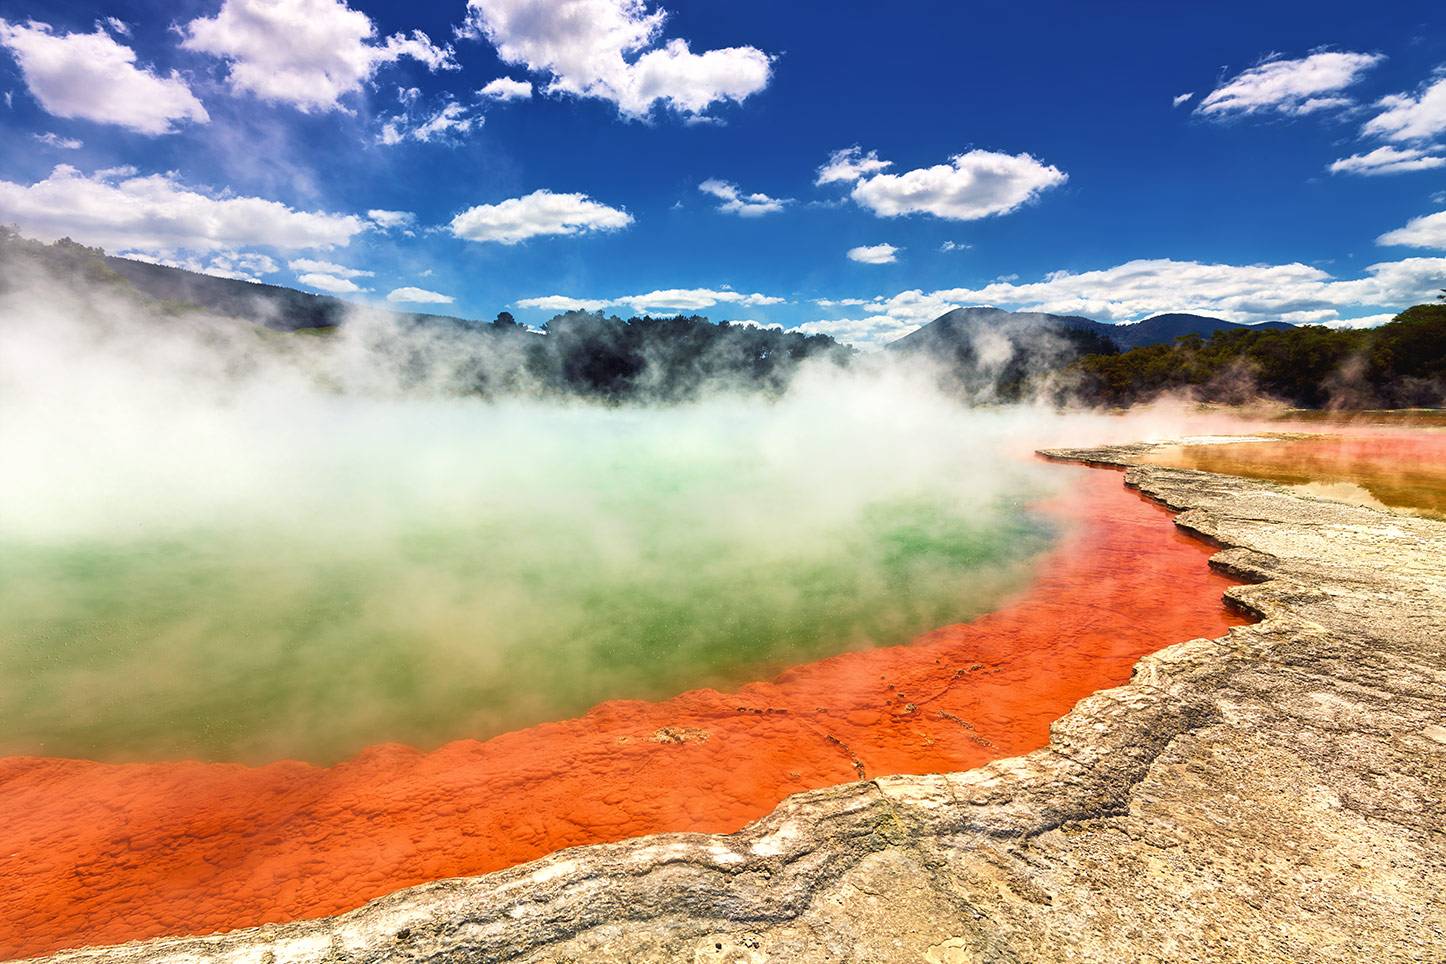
column 302, row 584
column 281, row 632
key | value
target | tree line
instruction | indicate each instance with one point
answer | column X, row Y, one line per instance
column 1400, row 364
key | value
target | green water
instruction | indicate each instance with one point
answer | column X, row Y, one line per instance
column 476, row 583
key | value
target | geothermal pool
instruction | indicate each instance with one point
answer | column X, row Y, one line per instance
column 101, row 852
column 275, row 640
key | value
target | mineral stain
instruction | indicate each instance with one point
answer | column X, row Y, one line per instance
column 97, row 853
column 1402, row 471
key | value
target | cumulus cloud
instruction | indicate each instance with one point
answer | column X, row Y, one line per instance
column 743, row 205
column 120, row 209
column 1407, row 117
column 330, row 283
column 1365, row 321
column 504, row 89
column 874, row 254
column 418, row 296
column 447, row 123
column 327, row 267
column 693, row 299
column 1388, row 160
column 306, row 53
column 1295, row 293
column 971, row 186
column 391, row 220
column 668, row 299
column 236, row 265
column 949, row 246
column 92, row 77
column 849, row 164
column 539, row 213
column 563, row 303
column 752, row 323
column 1181, row 98
column 1291, row 87
column 1427, row 231
column 608, row 49
column 50, row 139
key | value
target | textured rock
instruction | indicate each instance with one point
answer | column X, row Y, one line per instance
column 1275, row 794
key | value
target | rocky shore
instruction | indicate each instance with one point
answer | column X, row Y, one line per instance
column 1275, row 794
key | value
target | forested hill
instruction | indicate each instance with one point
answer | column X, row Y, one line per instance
column 576, row 355
column 1400, row 364
column 955, row 328
column 282, row 309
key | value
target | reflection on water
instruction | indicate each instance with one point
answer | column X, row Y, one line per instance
column 1402, row 471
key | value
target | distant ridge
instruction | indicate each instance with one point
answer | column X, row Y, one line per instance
column 286, row 309
column 963, row 324
column 1163, row 329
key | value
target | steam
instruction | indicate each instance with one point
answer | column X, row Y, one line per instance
column 224, row 541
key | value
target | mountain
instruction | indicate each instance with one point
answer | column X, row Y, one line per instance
column 989, row 353
column 1163, row 329
column 967, row 323
column 1401, row 364
column 285, row 309
column 577, row 354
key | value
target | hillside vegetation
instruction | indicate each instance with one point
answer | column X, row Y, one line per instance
column 574, row 355
column 1400, row 364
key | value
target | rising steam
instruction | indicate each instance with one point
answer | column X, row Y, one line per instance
column 231, row 542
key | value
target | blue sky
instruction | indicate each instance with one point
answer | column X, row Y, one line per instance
column 252, row 138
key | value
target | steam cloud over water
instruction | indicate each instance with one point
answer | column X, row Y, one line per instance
column 225, row 542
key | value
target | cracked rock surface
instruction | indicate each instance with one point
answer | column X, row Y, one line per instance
column 1275, row 794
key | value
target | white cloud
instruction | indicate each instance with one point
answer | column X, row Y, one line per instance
column 418, row 296
column 608, row 49
column 118, row 209
column 1366, row 321
column 92, row 77
column 840, row 302
column 307, row 53
column 693, row 299
column 669, row 299
column 327, row 267
column 948, row 246
column 871, row 332
column 504, row 89
column 1291, row 87
column 117, row 26
column 236, row 265
column 1295, row 293
column 1411, row 118
column 751, row 323
column 1181, row 98
column 849, row 164
column 50, row 139
column 1387, row 160
column 447, row 124
column 331, row 283
column 562, row 303
column 391, row 220
column 539, row 213
column 743, row 205
column 973, row 185
column 1427, row 231
column 874, row 254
